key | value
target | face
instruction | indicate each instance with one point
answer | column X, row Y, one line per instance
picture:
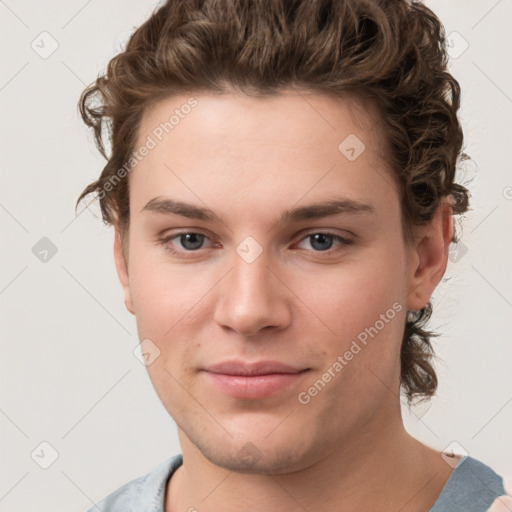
column 254, row 237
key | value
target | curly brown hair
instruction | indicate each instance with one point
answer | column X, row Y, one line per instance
column 390, row 51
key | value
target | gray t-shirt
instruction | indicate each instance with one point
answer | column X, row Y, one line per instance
column 472, row 487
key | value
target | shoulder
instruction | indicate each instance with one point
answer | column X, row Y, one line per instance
column 143, row 493
column 472, row 487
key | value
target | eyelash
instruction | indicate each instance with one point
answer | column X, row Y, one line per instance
column 165, row 242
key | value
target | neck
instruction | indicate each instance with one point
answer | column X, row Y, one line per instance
column 385, row 471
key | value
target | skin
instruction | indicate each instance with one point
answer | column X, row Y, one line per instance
column 248, row 160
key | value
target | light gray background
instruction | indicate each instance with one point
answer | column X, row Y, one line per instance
column 69, row 376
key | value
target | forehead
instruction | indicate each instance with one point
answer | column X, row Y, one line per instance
column 232, row 145
column 286, row 114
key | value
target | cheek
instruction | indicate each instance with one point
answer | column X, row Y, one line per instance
column 163, row 294
column 362, row 318
column 352, row 296
column 167, row 300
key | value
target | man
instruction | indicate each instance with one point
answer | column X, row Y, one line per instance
column 282, row 186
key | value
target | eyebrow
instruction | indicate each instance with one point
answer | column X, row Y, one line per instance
column 302, row 213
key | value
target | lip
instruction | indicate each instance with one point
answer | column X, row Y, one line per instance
column 255, row 380
column 238, row 367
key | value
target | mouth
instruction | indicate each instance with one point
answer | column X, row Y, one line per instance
column 253, row 380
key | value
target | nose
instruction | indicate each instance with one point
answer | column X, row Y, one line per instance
column 253, row 297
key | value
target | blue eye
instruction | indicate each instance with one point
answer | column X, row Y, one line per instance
column 191, row 242
column 322, row 242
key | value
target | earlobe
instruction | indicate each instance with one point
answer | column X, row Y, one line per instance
column 122, row 271
column 429, row 257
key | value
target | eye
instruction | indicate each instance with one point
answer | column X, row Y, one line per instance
column 189, row 242
column 322, row 242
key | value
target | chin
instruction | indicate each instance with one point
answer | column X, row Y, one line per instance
column 254, row 453
column 251, row 460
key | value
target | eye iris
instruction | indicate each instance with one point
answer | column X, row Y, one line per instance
column 194, row 239
column 319, row 237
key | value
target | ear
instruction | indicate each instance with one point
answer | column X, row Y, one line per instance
column 122, row 270
column 429, row 256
